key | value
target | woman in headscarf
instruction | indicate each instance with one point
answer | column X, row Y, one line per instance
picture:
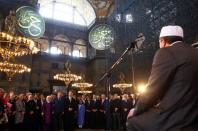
column 47, row 113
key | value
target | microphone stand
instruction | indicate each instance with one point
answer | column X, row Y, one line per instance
column 132, row 46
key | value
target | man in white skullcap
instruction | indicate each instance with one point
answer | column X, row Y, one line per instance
column 171, row 100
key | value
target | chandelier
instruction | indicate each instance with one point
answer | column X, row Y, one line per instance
column 11, row 46
column 85, row 92
column 11, row 69
column 122, row 85
column 82, row 86
column 67, row 78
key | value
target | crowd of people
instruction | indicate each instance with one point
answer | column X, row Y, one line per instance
column 34, row 112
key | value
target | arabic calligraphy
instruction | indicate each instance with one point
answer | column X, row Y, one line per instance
column 30, row 22
column 101, row 37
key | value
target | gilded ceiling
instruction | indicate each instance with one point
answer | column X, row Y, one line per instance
column 103, row 8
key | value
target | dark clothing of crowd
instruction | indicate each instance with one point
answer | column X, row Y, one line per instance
column 62, row 114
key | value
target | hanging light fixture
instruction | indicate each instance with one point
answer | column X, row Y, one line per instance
column 11, row 69
column 122, row 85
column 11, row 46
column 83, row 86
column 67, row 77
column 85, row 92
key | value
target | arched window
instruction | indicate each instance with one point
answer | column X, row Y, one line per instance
column 54, row 50
column 80, row 49
column 62, row 43
column 42, row 44
column 72, row 11
column 77, row 53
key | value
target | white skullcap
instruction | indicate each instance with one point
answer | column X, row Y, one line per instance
column 172, row 31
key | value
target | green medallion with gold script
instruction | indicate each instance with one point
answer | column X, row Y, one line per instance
column 101, row 37
column 30, row 23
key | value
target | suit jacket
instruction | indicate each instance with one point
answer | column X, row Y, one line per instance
column 116, row 103
column 102, row 105
column 125, row 106
column 107, row 105
column 30, row 106
column 38, row 108
column 173, row 87
column 70, row 104
column 95, row 105
column 59, row 105
column 88, row 105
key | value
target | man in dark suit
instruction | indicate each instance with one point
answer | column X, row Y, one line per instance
column 70, row 111
column 30, row 109
column 126, row 105
column 171, row 100
column 88, row 112
column 102, row 112
column 59, row 104
column 95, row 104
column 38, row 117
column 116, row 111
column 108, row 112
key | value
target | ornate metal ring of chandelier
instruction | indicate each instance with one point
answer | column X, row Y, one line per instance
column 122, row 86
column 11, row 69
column 82, row 85
column 11, row 46
column 67, row 77
column 85, row 92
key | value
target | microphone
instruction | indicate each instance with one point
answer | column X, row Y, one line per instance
column 138, row 41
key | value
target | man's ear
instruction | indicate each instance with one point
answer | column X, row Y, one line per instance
column 163, row 42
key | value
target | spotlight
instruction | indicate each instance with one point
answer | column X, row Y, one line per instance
column 141, row 88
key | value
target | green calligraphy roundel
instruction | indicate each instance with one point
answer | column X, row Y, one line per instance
column 30, row 22
column 101, row 37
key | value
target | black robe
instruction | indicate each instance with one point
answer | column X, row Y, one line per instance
column 171, row 101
